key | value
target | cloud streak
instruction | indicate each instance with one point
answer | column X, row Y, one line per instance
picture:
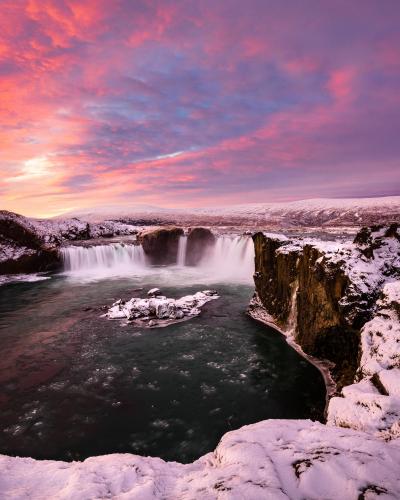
column 191, row 103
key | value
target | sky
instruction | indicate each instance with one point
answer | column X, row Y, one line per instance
column 196, row 103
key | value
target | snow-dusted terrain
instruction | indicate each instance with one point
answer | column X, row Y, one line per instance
column 273, row 459
column 373, row 402
column 372, row 266
column 308, row 213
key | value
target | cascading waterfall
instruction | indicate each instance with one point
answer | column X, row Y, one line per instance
column 231, row 259
column 99, row 258
column 181, row 258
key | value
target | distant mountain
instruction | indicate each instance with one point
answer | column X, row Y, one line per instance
column 305, row 213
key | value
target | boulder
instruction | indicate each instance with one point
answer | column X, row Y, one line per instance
column 161, row 244
column 22, row 248
column 199, row 240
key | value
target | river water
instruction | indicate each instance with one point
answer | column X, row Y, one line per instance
column 74, row 384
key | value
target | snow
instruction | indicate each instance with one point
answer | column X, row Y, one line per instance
column 312, row 212
column 56, row 231
column 13, row 252
column 373, row 403
column 273, row 459
column 160, row 307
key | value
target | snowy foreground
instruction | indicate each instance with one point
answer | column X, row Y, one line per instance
column 158, row 310
column 273, row 459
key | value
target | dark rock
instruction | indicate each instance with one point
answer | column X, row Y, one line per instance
column 13, row 230
column 161, row 245
column 38, row 261
column 297, row 288
column 24, row 250
column 199, row 240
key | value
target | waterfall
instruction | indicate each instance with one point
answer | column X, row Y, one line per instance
column 182, row 251
column 231, row 258
column 114, row 258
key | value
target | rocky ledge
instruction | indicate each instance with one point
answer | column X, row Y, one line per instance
column 161, row 244
column 31, row 245
column 340, row 303
column 158, row 310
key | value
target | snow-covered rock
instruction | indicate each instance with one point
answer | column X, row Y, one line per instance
column 373, row 403
column 158, row 307
column 273, row 459
column 31, row 245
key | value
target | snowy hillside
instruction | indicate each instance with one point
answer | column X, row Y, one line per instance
column 315, row 213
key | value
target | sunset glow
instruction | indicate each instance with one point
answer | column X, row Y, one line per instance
column 196, row 103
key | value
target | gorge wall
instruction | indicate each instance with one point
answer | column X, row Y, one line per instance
column 325, row 296
column 303, row 294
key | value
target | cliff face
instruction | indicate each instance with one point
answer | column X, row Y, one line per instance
column 161, row 245
column 31, row 245
column 22, row 249
column 340, row 302
column 302, row 295
column 323, row 293
column 199, row 240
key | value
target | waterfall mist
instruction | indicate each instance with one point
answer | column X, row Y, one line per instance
column 230, row 259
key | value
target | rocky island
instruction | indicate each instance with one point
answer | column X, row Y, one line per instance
column 158, row 310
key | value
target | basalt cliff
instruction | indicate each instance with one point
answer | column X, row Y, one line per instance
column 31, row 245
column 339, row 302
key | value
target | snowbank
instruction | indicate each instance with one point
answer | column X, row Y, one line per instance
column 276, row 459
column 372, row 404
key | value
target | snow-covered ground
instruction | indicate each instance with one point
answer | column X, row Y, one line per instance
column 315, row 212
column 273, row 459
column 372, row 403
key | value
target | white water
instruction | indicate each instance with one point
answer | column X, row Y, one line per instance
column 231, row 259
column 104, row 260
column 182, row 251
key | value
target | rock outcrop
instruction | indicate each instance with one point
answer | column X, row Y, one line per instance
column 31, row 245
column 340, row 302
column 22, row 249
column 372, row 403
column 199, row 241
column 161, row 245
